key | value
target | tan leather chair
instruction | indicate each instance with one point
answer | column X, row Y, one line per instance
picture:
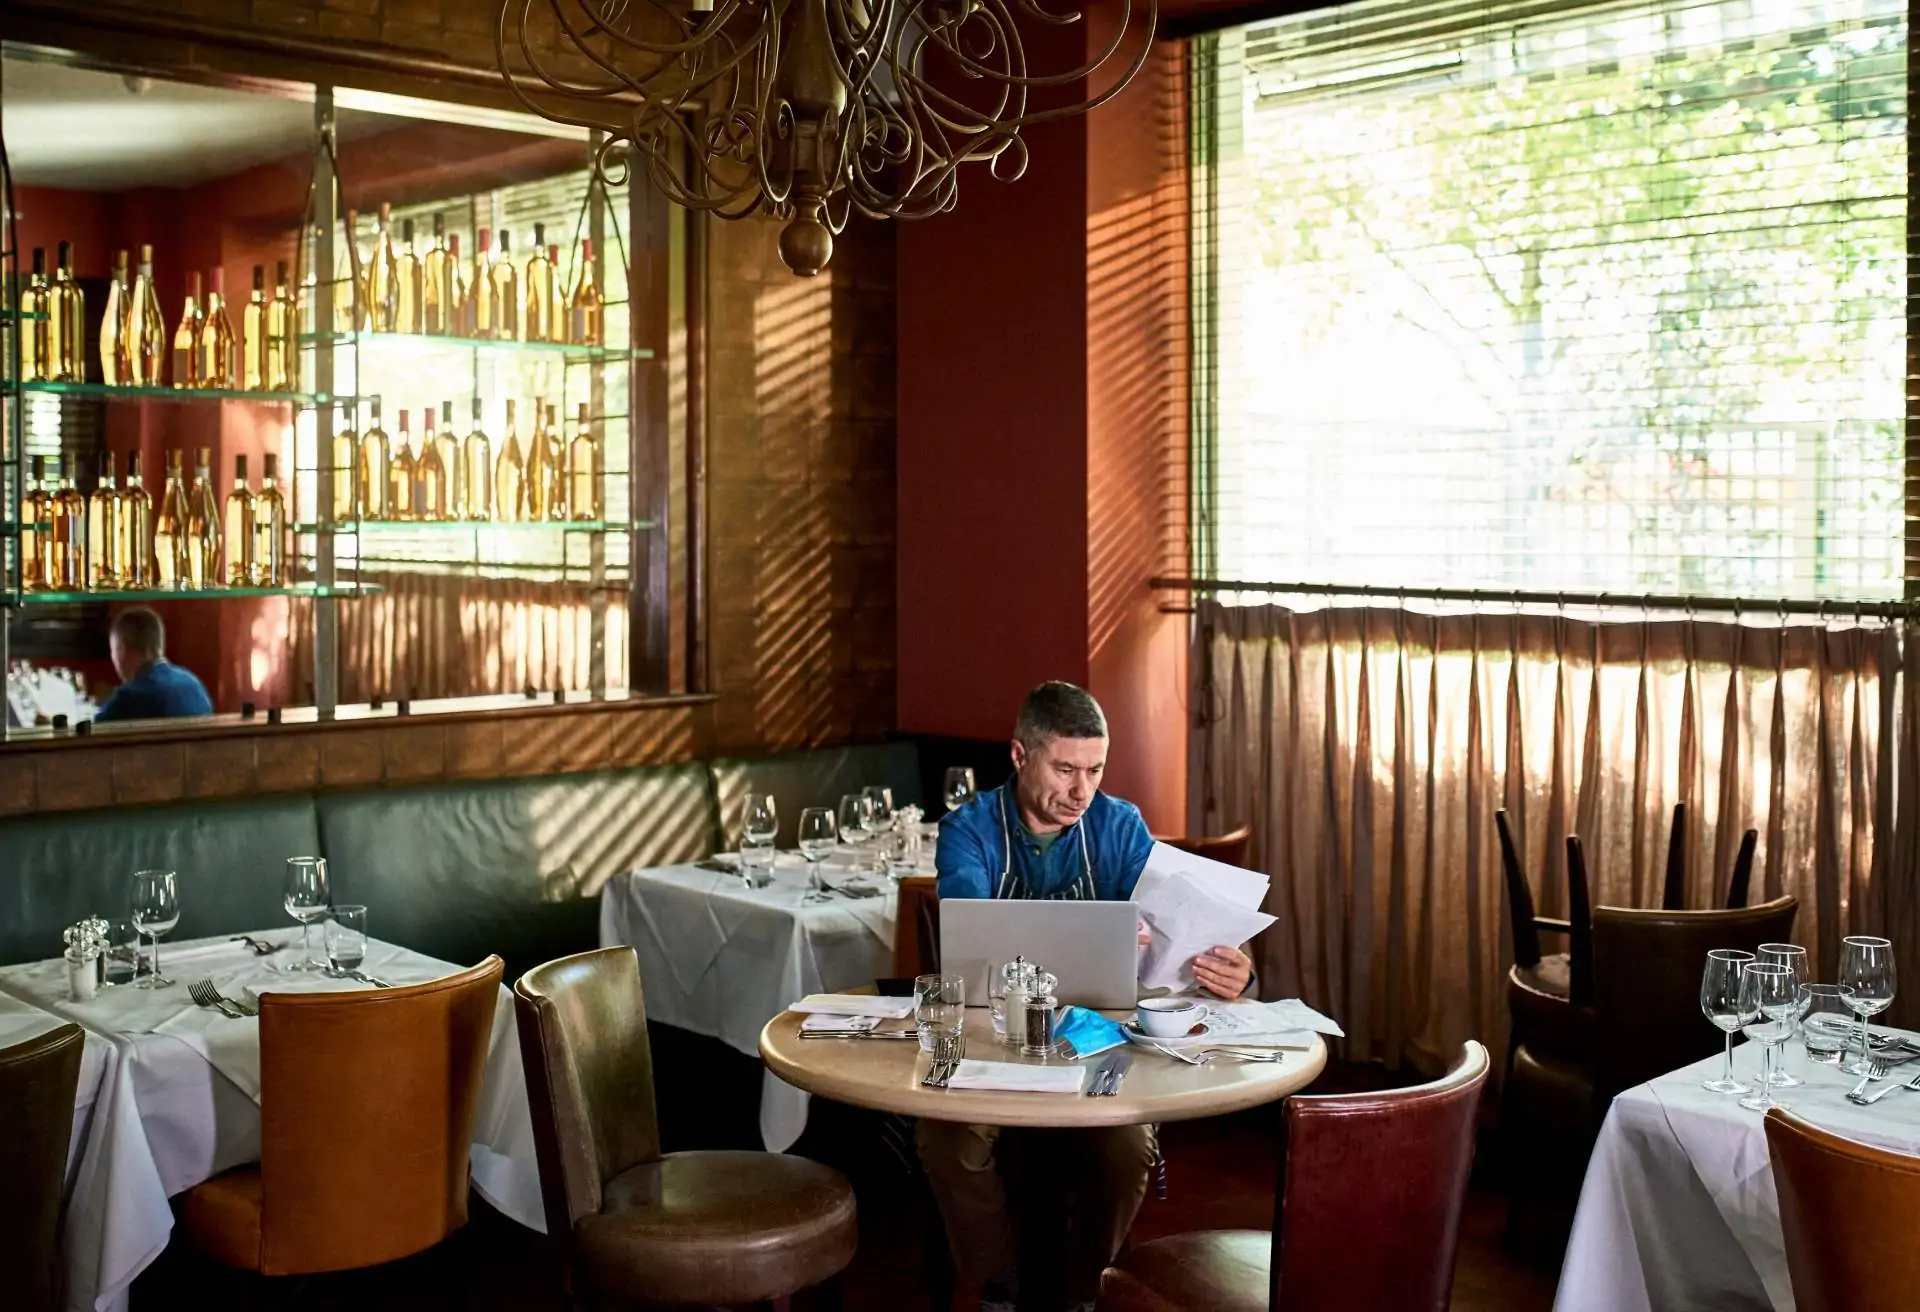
column 1230, row 847
column 366, row 1122
column 1367, row 1217
column 1847, row 1212
column 39, row 1081
column 639, row 1226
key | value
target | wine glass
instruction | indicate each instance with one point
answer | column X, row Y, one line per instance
column 818, row 835
column 1794, row 958
column 155, row 911
column 879, row 809
column 308, row 899
column 1866, row 967
column 959, row 789
column 762, row 823
column 345, row 936
column 856, row 822
column 1720, row 1000
column 1770, row 1005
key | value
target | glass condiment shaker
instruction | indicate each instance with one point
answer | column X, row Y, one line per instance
column 1037, row 1012
column 1009, row 990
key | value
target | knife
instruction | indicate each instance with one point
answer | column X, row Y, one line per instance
column 1116, row 1072
column 1100, row 1073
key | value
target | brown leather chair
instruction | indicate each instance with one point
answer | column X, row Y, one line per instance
column 39, row 1082
column 1847, row 1211
column 636, row 1225
column 366, row 1122
column 916, row 938
column 1742, row 877
column 1543, row 1012
column 1367, row 1215
column 1673, row 895
column 1230, row 847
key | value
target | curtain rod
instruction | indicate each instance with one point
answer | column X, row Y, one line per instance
column 1528, row 597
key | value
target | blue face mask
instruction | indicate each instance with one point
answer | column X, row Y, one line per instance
column 1088, row 1031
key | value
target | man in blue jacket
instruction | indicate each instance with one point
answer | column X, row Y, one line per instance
column 151, row 687
column 1049, row 832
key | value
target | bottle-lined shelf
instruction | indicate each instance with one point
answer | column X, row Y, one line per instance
column 571, row 352
column 104, row 392
column 371, row 526
column 192, row 594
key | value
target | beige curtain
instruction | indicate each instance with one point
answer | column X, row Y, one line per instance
column 1371, row 745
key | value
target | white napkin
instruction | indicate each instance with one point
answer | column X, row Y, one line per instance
column 854, row 1004
column 822, row 1021
column 1013, row 1077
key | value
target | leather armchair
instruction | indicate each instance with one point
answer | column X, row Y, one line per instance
column 39, row 1080
column 1229, row 847
column 1846, row 1210
column 638, row 1226
column 366, row 1122
column 1367, row 1215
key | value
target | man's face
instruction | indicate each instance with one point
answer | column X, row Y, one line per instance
column 125, row 663
column 1059, row 777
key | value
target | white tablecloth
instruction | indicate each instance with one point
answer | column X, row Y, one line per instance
column 177, row 1101
column 1678, row 1209
column 721, row 959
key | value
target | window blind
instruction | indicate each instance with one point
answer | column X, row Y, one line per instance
column 1604, row 297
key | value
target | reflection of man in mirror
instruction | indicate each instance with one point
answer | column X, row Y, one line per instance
column 151, row 687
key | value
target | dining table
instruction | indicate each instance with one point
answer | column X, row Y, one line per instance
column 1678, row 1208
column 174, row 1097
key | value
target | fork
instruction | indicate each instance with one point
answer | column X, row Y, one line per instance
column 1876, row 1070
column 946, row 1055
column 1869, row 1099
column 205, row 995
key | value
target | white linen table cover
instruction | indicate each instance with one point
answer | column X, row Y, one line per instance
column 721, row 959
column 1678, row 1209
column 178, row 1102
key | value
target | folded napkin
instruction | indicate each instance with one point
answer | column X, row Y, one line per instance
column 854, row 1004
column 1013, row 1077
column 822, row 1021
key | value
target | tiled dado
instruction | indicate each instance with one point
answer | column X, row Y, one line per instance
column 79, row 773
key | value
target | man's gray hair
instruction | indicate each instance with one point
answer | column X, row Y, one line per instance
column 1058, row 710
column 141, row 631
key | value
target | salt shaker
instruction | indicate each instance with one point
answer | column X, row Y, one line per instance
column 83, row 961
column 1007, row 997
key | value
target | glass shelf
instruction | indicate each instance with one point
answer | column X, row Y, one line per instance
column 187, row 594
column 474, row 526
column 100, row 391
column 9, row 529
column 426, row 342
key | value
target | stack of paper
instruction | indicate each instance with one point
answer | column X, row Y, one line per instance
column 1192, row 905
column 854, row 1004
column 1289, row 1023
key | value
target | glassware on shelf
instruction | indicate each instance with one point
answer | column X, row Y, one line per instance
column 447, row 446
column 186, row 338
column 429, row 474
column 587, row 315
column 346, row 460
column 281, row 367
column 253, row 335
column 269, row 530
column 375, row 467
column 36, row 522
column 476, row 454
column 537, row 313
column 510, row 477
column 203, row 526
column 583, row 471
column 506, row 292
column 435, row 293
column 543, row 463
column 216, row 338
column 36, row 323
column 104, row 508
column 147, row 327
column 170, row 534
column 67, row 325
column 383, row 277
column 407, row 291
column 480, row 316
column 116, row 358
column 67, row 545
column 309, row 296
column 133, row 531
column 237, row 528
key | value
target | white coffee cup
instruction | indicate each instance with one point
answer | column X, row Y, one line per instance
column 1169, row 1018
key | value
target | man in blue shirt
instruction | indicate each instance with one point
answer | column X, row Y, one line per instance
column 1049, row 832
column 150, row 687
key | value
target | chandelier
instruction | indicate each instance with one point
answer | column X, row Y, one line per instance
column 811, row 110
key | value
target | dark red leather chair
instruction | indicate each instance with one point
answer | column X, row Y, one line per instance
column 1230, row 847
column 39, row 1080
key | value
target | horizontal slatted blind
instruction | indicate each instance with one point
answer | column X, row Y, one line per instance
column 1602, row 297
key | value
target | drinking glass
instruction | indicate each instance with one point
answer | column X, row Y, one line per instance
column 308, row 899
column 120, row 957
column 155, row 911
column 1720, row 1000
column 818, row 836
column 1794, row 958
column 958, row 790
column 762, row 823
column 940, row 1007
column 1826, row 1022
column 879, row 809
column 1866, row 967
column 345, row 936
column 756, row 864
column 1770, row 1004
column 856, row 819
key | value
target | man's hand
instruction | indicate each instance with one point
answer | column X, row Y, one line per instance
column 1223, row 971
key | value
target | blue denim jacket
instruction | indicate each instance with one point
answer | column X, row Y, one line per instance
column 984, row 852
column 159, row 691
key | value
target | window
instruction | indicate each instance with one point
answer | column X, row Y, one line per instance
column 1603, row 297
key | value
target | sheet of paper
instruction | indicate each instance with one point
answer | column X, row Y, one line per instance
column 1289, row 1023
column 1245, row 888
column 854, row 1004
column 1185, row 920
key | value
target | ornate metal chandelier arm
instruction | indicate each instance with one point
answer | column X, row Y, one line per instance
column 692, row 81
column 698, row 34
column 1004, row 23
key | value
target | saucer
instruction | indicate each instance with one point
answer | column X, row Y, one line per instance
column 1197, row 1037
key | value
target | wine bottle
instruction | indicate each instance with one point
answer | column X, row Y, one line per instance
column 237, row 528
column 270, row 530
column 349, row 284
column 556, row 297
column 186, row 338
column 459, row 303
column 583, row 472
column 217, row 368
column 506, row 292
column 383, row 277
column 36, row 531
column 374, row 468
column 476, row 453
column 588, row 325
column 104, row 509
column 253, row 337
column 68, row 305
column 510, row 477
column 346, row 481
column 436, row 292
column 68, row 562
column 36, row 322
column 148, row 336
column 541, row 459
column 449, row 448
column 557, row 469
column 133, row 530
column 170, row 551
column 309, row 302
column 281, row 372
column 116, row 347
column 407, row 292
column 537, row 315
column 401, row 475
column 429, row 475
column 203, row 523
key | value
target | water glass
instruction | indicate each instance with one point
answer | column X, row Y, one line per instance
column 1720, row 1000
column 1826, row 1022
column 1794, row 958
column 1866, row 967
column 940, row 1007
column 120, row 955
column 155, row 911
column 818, row 836
column 958, row 789
column 308, row 897
column 345, row 934
column 762, row 820
column 899, row 850
column 1770, row 1003
column 756, row 863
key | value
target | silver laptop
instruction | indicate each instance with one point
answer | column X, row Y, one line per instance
column 1090, row 947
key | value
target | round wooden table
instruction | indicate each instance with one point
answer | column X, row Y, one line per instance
column 885, row 1074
